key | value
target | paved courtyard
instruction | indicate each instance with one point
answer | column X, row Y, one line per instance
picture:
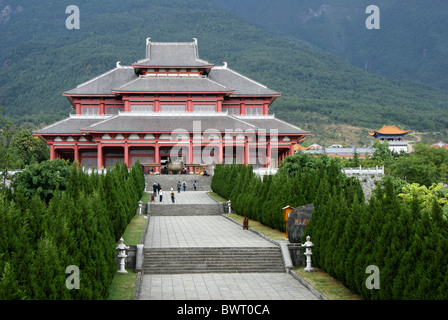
column 224, row 286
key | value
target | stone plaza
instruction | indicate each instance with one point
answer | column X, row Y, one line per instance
column 188, row 235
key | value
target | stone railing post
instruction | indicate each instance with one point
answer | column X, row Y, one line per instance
column 229, row 207
column 308, row 245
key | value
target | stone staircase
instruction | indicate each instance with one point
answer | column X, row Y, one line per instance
column 183, row 209
column 167, row 181
column 181, row 260
column 213, row 260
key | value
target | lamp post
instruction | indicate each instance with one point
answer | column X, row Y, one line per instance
column 308, row 245
column 121, row 248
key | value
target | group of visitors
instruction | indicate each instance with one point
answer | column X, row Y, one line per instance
column 157, row 189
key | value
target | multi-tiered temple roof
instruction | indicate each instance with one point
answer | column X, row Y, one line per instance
column 130, row 108
column 394, row 136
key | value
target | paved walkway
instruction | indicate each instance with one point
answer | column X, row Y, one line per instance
column 211, row 231
column 185, row 197
column 199, row 231
column 223, row 286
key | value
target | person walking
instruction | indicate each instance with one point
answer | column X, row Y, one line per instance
column 154, row 189
column 172, row 195
column 184, row 184
column 194, row 185
column 161, row 195
column 159, row 187
column 178, row 187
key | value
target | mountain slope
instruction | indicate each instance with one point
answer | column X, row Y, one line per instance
column 411, row 41
column 318, row 89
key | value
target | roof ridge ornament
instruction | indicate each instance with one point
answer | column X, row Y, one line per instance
column 118, row 65
column 225, row 65
column 148, row 50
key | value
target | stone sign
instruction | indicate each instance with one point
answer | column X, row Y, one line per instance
column 297, row 221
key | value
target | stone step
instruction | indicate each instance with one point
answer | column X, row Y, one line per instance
column 167, row 181
column 183, row 209
column 190, row 260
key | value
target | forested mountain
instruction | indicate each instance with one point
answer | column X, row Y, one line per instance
column 411, row 41
column 40, row 58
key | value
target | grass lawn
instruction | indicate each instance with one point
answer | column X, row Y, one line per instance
column 271, row 233
column 134, row 230
column 146, row 197
column 217, row 197
column 123, row 286
column 326, row 284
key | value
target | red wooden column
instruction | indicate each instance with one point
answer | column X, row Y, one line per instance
column 291, row 150
column 100, row 156
column 76, row 151
column 189, row 105
column 246, row 150
column 127, row 106
column 268, row 153
column 156, row 154
column 126, row 155
column 102, row 108
column 190, row 153
column 52, row 152
column 265, row 108
column 221, row 150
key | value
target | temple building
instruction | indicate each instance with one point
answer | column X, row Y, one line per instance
column 394, row 136
column 171, row 105
column 440, row 144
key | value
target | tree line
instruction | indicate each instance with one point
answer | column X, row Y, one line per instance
column 407, row 242
column 77, row 224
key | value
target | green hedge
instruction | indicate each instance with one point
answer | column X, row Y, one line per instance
column 80, row 226
column 409, row 246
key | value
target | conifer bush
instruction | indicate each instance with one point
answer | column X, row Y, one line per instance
column 408, row 243
column 77, row 223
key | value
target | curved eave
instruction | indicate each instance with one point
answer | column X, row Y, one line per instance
column 138, row 66
column 389, row 134
column 173, row 92
column 275, row 95
column 86, row 95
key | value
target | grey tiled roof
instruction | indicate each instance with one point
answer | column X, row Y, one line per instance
column 241, row 84
column 172, row 54
column 172, row 84
column 168, row 123
column 103, row 84
column 272, row 123
column 70, row 125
